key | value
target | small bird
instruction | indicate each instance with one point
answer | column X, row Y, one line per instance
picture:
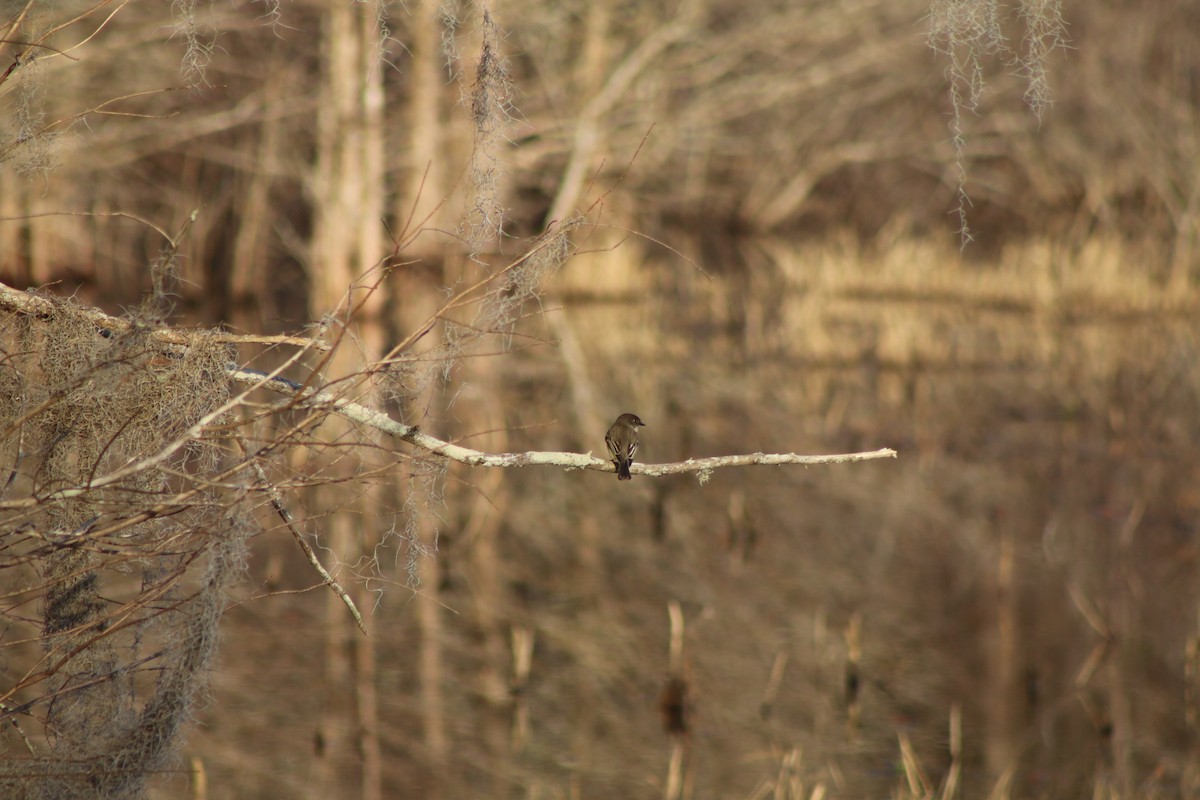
column 622, row 441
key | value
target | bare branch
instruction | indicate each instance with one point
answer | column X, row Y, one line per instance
column 286, row 516
column 589, row 127
column 477, row 458
column 317, row 398
column 34, row 305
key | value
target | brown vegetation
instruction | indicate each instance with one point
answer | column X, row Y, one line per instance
column 433, row 203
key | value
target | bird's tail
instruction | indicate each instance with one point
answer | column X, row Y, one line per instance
column 623, row 470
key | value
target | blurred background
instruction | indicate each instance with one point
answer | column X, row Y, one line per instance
column 771, row 250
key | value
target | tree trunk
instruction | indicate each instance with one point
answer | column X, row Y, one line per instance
column 424, row 185
column 1001, row 747
column 347, row 245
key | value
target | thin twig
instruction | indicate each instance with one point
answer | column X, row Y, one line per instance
column 286, row 516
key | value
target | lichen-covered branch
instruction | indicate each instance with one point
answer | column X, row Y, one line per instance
column 476, row 458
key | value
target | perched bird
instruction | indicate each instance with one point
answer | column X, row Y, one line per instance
column 622, row 441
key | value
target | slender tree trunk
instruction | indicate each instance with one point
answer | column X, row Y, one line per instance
column 488, row 500
column 596, row 54
column 370, row 157
column 347, row 247
column 424, row 185
column 418, row 285
column 430, row 665
column 248, row 282
column 1123, row 621
column 332, row 274
column 1001, row 747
